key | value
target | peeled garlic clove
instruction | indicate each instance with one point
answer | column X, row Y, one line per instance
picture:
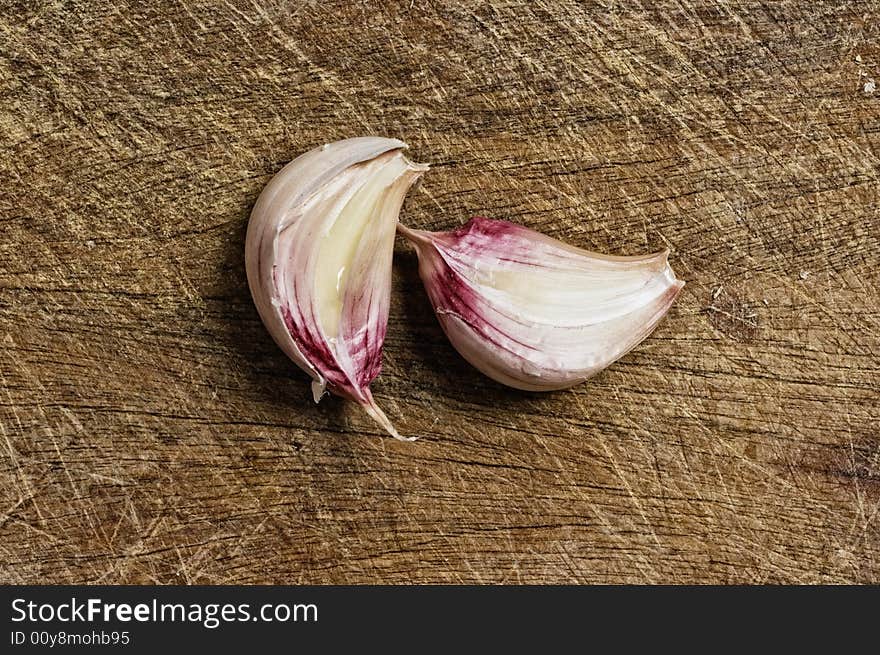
column 532, row 312
column 318, row 258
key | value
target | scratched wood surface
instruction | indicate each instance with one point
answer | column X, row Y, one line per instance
column 152, row 432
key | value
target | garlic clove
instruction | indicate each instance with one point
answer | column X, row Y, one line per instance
column 318, row 258
column 532, row 312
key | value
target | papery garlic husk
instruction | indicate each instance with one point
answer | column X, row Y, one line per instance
column 532, row 312
column 318, row 257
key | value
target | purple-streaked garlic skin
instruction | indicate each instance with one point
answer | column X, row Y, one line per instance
column 566, row 333
column 290, row 221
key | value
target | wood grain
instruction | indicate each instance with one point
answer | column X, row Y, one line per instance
column 152, row 432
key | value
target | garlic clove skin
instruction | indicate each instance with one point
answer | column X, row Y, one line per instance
column 535, row 313
column 318, row 256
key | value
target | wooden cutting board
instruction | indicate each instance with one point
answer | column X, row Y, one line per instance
column 152, row 431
